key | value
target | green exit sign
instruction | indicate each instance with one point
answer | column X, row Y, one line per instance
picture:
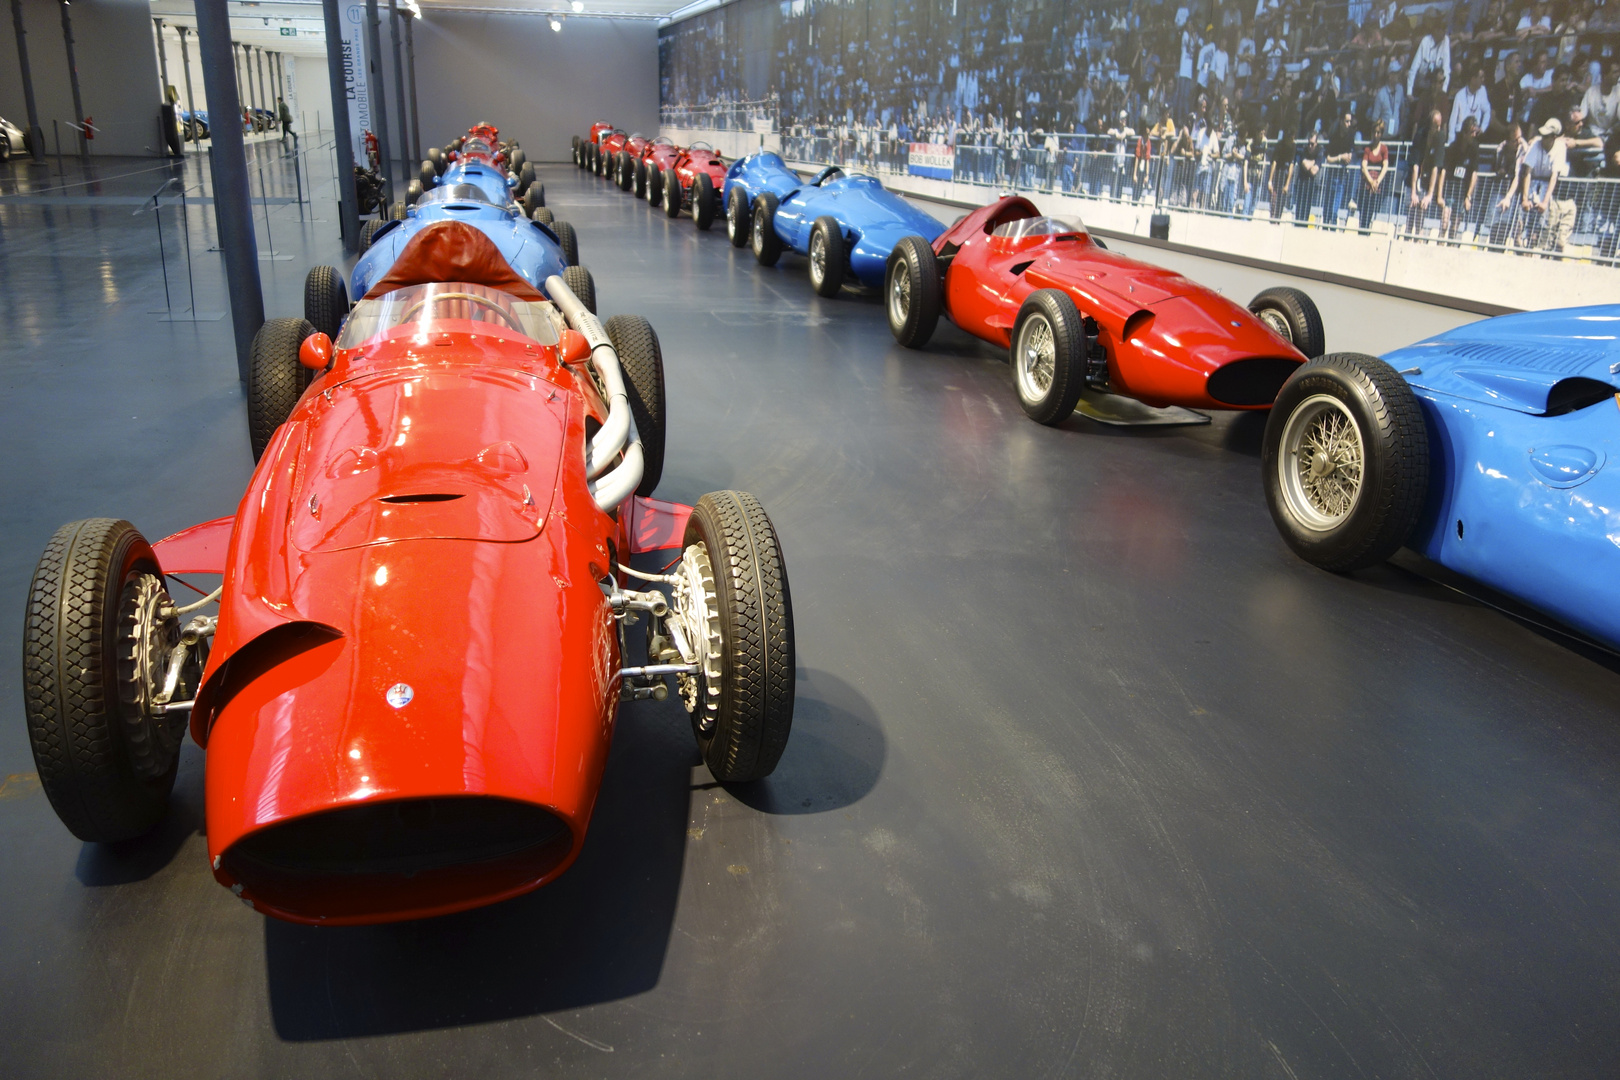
column 289, row 31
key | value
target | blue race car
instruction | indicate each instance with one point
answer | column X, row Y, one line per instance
column 1484, row 449
column 843, row 220
column 535, row 249
column 482, row 165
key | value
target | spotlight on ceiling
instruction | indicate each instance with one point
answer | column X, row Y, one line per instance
column 556, row 24
column 579, row 5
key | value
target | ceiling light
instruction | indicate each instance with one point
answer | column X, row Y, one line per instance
column 579, row 5
column 556, row 24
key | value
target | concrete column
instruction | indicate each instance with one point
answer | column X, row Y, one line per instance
column 410, row 73
column 191, row 101
column 348, row 201
column 379, row 99
column 233, row 210
column 407, row 166
column 73, row 77
column 36, row 136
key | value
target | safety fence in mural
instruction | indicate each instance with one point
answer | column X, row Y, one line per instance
column 1234, row 179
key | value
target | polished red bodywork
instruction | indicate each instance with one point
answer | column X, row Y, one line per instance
column 661, row 155
column 1165, row 335
column 612, row 143
column 421, row 520
column 695, row 159
column 599, row 129
column 636, row 146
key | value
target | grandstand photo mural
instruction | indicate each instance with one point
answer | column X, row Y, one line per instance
column 1466, row 149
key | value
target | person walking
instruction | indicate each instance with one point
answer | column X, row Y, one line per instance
column 286, row 117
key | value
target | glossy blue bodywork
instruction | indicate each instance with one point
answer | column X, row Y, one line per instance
column 532, row 249
column 487, row 178
column 1524, row 489
column 873, row 219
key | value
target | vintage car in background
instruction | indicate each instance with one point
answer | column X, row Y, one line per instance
column 659, row 154
column 1076, row 317
column 606, row 151
column 585, row 146
column 624, row 162
column 692, row 182
column 1490, row 449
column 422, row 640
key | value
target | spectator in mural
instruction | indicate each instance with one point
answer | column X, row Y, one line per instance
column 1601, row 102
column 1281, row 174
column 1506, row 226
column 1143, row 166
column 1234, row 154
column 1555, row 102
column 1537, row 23
column 1505, row 94
column 1122, row 139
column 1374, row 168
column 1312, row 157
column 1471, row 101
column 1208, row 140
column 1185, row 71
column 1254, row 174
column 1582, row 146
column 1551, row 219
column 1341, row 153
column 1389, row 105
column 1428, row 158
column 1535, row 82
column 1456, row 196
column 1183, row 166
column 1431, row 63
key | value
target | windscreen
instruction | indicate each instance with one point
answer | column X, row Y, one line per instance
column 1038, row 226
column 454, row 193
column 427, row 306
column 477, row 146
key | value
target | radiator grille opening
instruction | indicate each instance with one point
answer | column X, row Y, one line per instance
column 1254, row 381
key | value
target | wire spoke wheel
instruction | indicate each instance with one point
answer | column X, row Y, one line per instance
column 818, row 258
column 1322, row 463
column 1277, row 323
column 900, row 298
column 1035, row 358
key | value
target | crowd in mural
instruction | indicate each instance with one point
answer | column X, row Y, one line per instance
column 1477, row 121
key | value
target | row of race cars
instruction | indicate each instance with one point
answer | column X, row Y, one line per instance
column 1483, row 449
column 409, row 687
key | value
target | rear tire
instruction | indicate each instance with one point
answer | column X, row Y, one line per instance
column 912, row 293
column 1048, row 356
column 743, row 728
column 672, row 194
column 737, row 217
column 543, row 215
column 276, row 380
column 641, row 179
column 655, row 186
column 326, row 300
column 1292, row 316
column 1346, row 461
column 766, row 244
column 436, row 156
column 368, row 229
column 534, row 198
column 525, row 178
column 829, row 257
column 520, row 159
column 413, row 191
column 643, row 362
column 569, row 242
column 428, row 174
column 702, row 201
column 94, row 638
column 581, row 284
column 627, row 174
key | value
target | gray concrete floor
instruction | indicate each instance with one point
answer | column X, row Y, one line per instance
column 1089, row 775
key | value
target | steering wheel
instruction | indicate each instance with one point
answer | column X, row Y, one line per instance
column 482, row 301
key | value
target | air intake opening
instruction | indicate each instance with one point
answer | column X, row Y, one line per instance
column 402, row 855
column 427, row 497
column 1571, row 395
column 1254, row 381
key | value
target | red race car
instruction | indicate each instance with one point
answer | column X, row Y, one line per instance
column 624, row 162
column 409, row 689
column 660, row 154
column 693, row 183
column 585, row 147
column 1075, row 316
column 607, row 150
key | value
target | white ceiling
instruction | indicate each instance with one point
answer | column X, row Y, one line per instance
column 266, row 24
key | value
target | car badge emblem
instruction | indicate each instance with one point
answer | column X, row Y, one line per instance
column 399, row 695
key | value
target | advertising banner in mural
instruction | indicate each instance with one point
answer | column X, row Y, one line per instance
column 355, row 88
column 934, row 160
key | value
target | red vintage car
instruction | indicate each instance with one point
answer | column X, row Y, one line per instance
column 1076, row 317
column 660, row 154
column 624, row 162
column 607, row 150
column 584, row 147
column 693, row 183
column 423, row 634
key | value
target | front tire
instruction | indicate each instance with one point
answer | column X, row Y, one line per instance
column 743, row 718
column 543, row 215
column 702, row 201
column 95, row 645
column 569, row 242
column 1048, row 356
column 581, row 284
column 766, row 244
column 276, row 380
column 643, row 362
column 672, row 194
column 534, row 198
column 326, row 300
column 912, row 292
column 428, row 174
column 655, row 186
column 828, row 256
column 1292, row 316
column 641, row 179
column 737, row 218
column 525, row 178
column 627, row 171
column 1346, row 461
column 368, row 229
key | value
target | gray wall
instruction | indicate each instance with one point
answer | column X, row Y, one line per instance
column 537, row 86
column 116, row 49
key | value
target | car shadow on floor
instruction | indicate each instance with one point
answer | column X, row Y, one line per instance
column 598, row 933
column 833, row 757
column 134, row 860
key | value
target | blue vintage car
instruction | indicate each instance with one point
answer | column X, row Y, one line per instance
column 1485, row 449
column 843, row 220
column 535, row 249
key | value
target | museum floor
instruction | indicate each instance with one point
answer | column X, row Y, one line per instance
column 1089, row 775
